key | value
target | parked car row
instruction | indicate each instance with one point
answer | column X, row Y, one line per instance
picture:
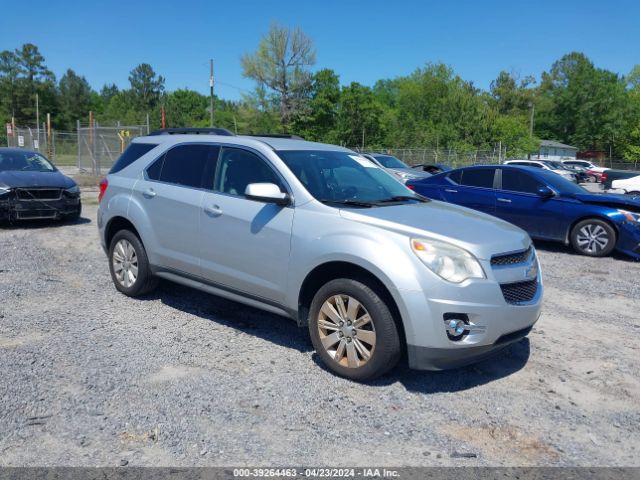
column 335, row 240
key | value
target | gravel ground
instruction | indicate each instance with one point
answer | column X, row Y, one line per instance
column 91, row 377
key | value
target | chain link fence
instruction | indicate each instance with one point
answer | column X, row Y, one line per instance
column 91, row 149
column 94, row 149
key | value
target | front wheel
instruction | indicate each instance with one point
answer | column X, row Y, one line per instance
column 593, row 237
column 353, row 330
column 129, row 265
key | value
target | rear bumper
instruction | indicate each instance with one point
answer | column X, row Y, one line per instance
column 427, row 358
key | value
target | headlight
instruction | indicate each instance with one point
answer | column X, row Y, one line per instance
column 448, row 261
column 74, row 189
column 4, row 190
column 631, row 216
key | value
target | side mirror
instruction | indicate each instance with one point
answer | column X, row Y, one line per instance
column 545, row 192
column 266, row 192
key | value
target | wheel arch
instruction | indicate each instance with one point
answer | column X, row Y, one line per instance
column 116, row 224
column 567, row 238
column 332, row 270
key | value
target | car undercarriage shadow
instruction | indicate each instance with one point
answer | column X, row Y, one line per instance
column 274, row 328
column 43, row 223
column 284, row 332
column 557, row 247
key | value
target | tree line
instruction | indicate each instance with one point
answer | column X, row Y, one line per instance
column 574, row 102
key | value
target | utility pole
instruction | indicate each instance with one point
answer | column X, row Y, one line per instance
column 37, row 121
column 211, row 88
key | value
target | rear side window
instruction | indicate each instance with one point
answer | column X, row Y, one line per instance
column 517, row 181
column 478, row 177
column 133, row 152
column 186, row 165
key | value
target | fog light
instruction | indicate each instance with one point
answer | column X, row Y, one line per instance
column 455, row 328
column 456, row 325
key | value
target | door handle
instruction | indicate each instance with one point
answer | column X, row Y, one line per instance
column 450, row 190
column 213, row 211
column 149, row 193
column 504, row 200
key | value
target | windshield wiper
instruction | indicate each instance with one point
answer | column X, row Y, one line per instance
column 401, row 198
column 351, row 203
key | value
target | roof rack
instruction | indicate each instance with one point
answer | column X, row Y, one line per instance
column 193, row 131
column 274, row 135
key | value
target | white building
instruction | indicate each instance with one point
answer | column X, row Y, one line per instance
column 551, row 150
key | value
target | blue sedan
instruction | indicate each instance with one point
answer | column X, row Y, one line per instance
column 544, row 204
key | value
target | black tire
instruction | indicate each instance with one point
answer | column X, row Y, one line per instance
column 593, row 237
column 386, row 351
column 144, row 282
column 634, row 194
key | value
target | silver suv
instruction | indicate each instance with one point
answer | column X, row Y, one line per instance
column 319, row 234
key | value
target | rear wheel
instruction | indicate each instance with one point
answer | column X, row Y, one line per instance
column 129, row 265
column 593, row 237
column 353, row 330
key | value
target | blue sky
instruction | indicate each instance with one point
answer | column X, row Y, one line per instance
column 361, row 40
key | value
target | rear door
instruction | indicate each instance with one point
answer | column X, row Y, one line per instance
column 171, row 193
column 473, row 188
column 518, row 202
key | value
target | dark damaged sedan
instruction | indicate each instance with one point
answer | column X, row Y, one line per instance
column 32, row 188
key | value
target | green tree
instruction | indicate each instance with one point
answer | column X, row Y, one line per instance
column 146, row 87
column 582, row 105
column 358, row 117
column 321, row 121
column 10, row 71
column 280, row 66
column 75, row 97
column 186, row 108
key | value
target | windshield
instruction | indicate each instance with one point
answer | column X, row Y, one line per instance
column 345, row 177
column 387, row 161
column 24, row 162
column 563, row 185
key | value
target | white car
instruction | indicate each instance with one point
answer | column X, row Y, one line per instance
column 586, row 164
column 627, row 185
column 554, row 167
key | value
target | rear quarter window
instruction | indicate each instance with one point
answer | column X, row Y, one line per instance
column 133, row 152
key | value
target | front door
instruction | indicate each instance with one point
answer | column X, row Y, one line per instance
column 244, row 244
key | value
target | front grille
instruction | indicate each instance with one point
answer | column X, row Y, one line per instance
column 511, row 258
column 520, row 292
column 39, row 194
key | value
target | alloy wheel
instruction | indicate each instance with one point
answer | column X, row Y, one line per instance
column 125, row 263
column 346, row 331
column 592, row 238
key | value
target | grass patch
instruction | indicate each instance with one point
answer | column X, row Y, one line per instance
column 87, row 180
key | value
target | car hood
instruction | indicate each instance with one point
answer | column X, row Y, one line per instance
column 613, row 200
column 18, row 179
column 479, row 233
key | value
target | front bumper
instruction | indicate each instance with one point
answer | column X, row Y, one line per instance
column 13, row 207
column 425, row 358
column 491, row 307
column 629, row 239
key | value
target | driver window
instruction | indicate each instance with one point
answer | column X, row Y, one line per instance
column 239, row 168
column 517, row 181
